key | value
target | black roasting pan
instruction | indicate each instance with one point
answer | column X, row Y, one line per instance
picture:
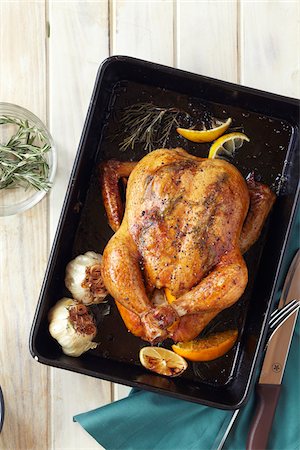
column 272, row 123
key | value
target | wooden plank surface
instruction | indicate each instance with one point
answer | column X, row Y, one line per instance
column 78, row 42
column 23, row 241
column 270, row 43
column 207, row 38
column 255, row 43
column 143, row 29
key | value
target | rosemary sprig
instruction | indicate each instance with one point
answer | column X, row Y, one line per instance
column 23, row 159
column 147, row 124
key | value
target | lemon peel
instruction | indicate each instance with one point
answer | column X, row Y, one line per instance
column 207, row 135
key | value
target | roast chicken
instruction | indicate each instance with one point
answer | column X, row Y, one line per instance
column 175, row 260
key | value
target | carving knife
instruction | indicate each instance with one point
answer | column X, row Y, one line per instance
column 269, row 384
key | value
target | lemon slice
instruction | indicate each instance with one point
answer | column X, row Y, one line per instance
column 162, row 361
column 227, row 144
column 208, row 348
column 205, row 135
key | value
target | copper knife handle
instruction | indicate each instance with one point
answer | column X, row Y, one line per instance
column 268, row 395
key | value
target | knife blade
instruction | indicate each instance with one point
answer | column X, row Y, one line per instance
column 269, row 384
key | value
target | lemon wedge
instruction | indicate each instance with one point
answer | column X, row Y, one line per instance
column 208, row 348
column 162, row 361
column 227, row 144
column 204, row 135
column 170, row 297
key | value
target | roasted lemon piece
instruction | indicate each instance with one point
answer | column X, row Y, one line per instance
column 162, row 361
column 207, row 135
column 208, row 348
column 227, row 144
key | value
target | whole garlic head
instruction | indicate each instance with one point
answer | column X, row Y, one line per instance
column 72, row 326
column 84, row 280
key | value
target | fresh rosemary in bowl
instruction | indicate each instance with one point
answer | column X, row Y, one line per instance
column 27, row 159
column 23, row 161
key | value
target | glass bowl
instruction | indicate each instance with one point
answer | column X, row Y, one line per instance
column 1, row 409
column 14, row 200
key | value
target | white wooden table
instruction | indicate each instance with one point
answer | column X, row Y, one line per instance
column 49, row 54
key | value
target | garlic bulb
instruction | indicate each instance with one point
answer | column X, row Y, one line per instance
column 84, row 280
column 72, row 326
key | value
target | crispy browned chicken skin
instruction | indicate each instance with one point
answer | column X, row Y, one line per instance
column 186, row 224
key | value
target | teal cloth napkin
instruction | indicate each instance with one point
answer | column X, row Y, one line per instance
column 149, row 421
